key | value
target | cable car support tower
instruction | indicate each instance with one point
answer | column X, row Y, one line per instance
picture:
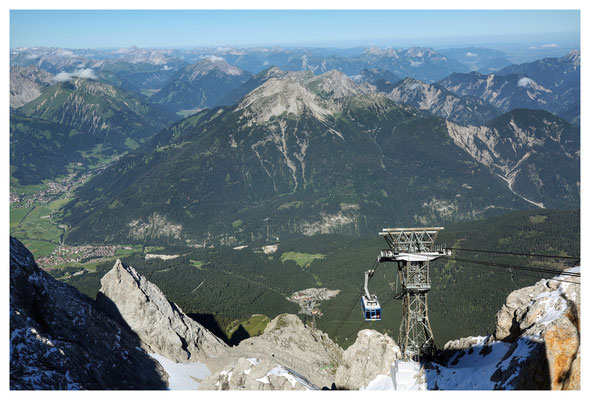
column 413, row 249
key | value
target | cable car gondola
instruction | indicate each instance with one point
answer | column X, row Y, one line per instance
column 370, row 303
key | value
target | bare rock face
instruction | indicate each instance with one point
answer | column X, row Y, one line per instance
column 26, row 84
column 548, row 311
column 371, row 354
column 60, row 341
column 292, row 344
column 255, row 374
column 160, row 324
column 286, row 344
column 512, row 313
column 461, row 344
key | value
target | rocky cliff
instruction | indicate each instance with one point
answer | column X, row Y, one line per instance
column 160, row 324
column 59, row 340
column 536, row 344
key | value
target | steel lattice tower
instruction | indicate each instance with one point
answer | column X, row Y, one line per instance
column 413, row 249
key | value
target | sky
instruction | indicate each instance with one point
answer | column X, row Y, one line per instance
column 191, row 28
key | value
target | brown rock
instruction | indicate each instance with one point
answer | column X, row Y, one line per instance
column 562, row 344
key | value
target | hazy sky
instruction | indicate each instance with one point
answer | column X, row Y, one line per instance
column 120, row 28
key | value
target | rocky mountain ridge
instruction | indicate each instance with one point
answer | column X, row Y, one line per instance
column 551, row 84
column 510, row 146
column 162, row 326
column 98, row 109
column 505, row 92
column 26, row 84
column 440, row 101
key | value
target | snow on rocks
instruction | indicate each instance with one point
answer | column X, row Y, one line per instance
column 309, row 355
column 535, row 345
column 254, row 374
column 475, row 367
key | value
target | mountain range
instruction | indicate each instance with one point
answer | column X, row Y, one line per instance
column 437, row 100
column 119, row 117
column 200, row 85
column 551, row 84
column 310, row 154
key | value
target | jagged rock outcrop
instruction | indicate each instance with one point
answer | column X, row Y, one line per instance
column 371, row 354
column 536, row 344
column 440, row 101
column 255, row 374
column 549, row 312
column 160, row 324
column 59, row 340
column 289, row 344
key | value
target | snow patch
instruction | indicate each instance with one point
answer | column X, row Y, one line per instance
column 473, row 368
column 182, row 375
column 253, row 361
column 381, row 382
column 292, row 376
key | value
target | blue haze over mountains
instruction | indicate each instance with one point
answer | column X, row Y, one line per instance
column 474, row 102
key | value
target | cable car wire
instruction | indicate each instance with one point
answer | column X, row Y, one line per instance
column 519, row 270
column 512, row 253
column 520, row 267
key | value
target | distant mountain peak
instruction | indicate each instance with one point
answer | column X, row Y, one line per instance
column 278, row 96
column 574, row 57
column 295, row 92
column 334, row 84
column 211, row 63
column 377, row 51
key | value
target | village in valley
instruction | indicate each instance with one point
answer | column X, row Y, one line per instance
column 309, row 299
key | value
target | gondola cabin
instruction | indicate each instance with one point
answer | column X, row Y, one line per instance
column 371, row 308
